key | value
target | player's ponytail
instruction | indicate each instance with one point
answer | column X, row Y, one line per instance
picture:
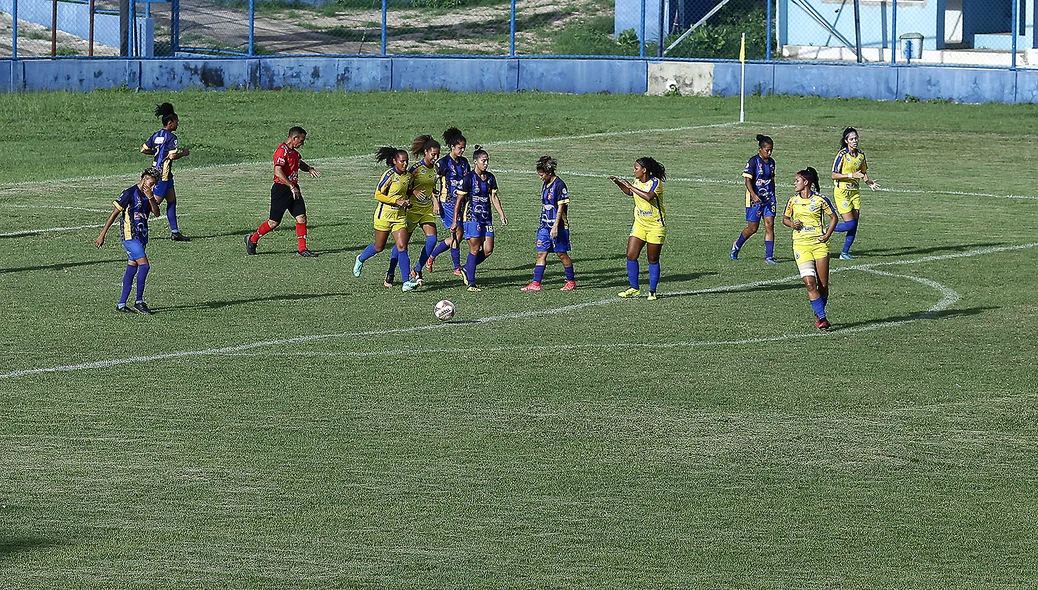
column 479, row 151
column 763, row 140
column 846, row 132
column 388, row 154
column 811, row 176
column 654, row 168
column 452, row 137
column 166, row 112
column 422, row 144
column 547, row 165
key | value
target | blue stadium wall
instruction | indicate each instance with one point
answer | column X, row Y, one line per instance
column 578, row 76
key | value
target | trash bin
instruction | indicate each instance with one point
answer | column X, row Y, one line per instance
column 911, row 46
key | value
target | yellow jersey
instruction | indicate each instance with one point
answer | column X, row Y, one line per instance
column 649, row 214
column 845, row 163
column 813, row 212
column 391, row 187
column 423, row 178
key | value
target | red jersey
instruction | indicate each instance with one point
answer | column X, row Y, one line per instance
column 288, row 159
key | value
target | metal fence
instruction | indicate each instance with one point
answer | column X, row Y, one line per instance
column 998, row 33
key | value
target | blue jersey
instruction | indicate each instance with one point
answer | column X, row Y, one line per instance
column 761, row 173
column 164, row 143
column 133, row 224
column 553, row 196
column 478, row 190
column 453, row 174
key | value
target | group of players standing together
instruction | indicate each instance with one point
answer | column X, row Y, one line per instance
column 460, row 195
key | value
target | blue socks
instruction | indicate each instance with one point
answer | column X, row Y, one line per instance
column 654, row 276
column 368, row 252
column 456, row 256
column 769, row 248
column 405, row 264
column 480, row 257
column 847, row 225
column 570, row 275
column 394, row 257
column 142, row 274
column 848, row 241
column 538, row 273
column 427, row 252
column 131, row 271
column 470, row 269
column 632, row 273
column 171, row 215
column 819, row 306
column 739, row 242
column 439, row 249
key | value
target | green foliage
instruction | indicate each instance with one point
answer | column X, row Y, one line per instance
column 594, row 36
column 721, row 36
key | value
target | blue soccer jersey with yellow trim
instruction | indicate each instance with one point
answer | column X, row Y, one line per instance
column 164, row 142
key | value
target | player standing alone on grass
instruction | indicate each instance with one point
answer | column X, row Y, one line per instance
column 849, row 169
column 805, row 213
column 163, row 145
column 285, row 194
column 759, row 175
column 649, row 222
column 553, row 231
column 135, row 204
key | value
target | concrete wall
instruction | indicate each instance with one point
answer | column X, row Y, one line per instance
column 625, row 76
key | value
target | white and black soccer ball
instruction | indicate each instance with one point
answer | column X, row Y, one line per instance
column 444, row 310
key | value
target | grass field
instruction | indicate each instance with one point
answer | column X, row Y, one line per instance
column 280, row 423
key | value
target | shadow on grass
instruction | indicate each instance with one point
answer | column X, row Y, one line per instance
column 232, row 302
column 11, row 546
column 61, row 265
column 907, row 251
column 936, row 315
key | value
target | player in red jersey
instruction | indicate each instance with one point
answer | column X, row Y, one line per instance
column 285, row 195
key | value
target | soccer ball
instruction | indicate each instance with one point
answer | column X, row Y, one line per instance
column 444, row 310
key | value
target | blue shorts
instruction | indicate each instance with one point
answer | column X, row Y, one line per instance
column 447, row 213
column 475, row 229
column 755, row 211
column 559, row 245
column 134, row 249
column 164, row 186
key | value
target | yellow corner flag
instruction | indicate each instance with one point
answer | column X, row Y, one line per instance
column 742, row 49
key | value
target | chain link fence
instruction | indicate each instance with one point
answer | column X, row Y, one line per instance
column 974, row 32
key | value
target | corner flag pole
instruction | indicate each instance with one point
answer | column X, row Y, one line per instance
column 742, row 89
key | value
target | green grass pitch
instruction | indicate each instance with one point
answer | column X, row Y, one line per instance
column 280, row 423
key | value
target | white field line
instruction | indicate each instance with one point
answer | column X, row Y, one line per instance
column 948, row 298
column 14, row 206
column 29, row 232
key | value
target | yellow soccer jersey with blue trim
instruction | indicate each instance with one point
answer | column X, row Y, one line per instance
column 391, row 187
column 848, row 164
column 423, row 178
column 649, row 214
column 813, row 212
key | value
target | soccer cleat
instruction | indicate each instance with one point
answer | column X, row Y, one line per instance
column 305, row 253
column 652, row 296
column 474, row 289
column 417, row 279
column 387, row 284
column 771, row 261
column 822, row 323
column 143, row 308
column 569, row 286
column 179, row 237
column 358, row 266
column 428, row 265
column 126, row 309
column 534, row 286
column 409, row 286
column 734, row 254
column 457, row 272
column 464, row 275
column 632, row 292
column 250, row 246
column 845, row 256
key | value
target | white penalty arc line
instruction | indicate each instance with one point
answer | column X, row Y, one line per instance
column 948, row 298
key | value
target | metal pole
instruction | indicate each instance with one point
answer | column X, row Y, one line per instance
column 54, row 28
column 124, row 27
column 893, row 32
column 857, row 31
column 252, row 27
column 767, row 41
column 664, row 11
column 133, row 28
column 174, row 26
column 511, row 33
column 1013, row 31
column 90, row 33
column 641, row 32
column 385, row 9
column 14, row 34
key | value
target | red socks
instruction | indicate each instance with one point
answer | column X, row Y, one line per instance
column 264, row 228
column 301, row 236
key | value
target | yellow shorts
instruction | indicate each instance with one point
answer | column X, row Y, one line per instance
column 846, row 200
column 389, row 219
column 805, row 251
column 651, row 235
column 419, row 217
